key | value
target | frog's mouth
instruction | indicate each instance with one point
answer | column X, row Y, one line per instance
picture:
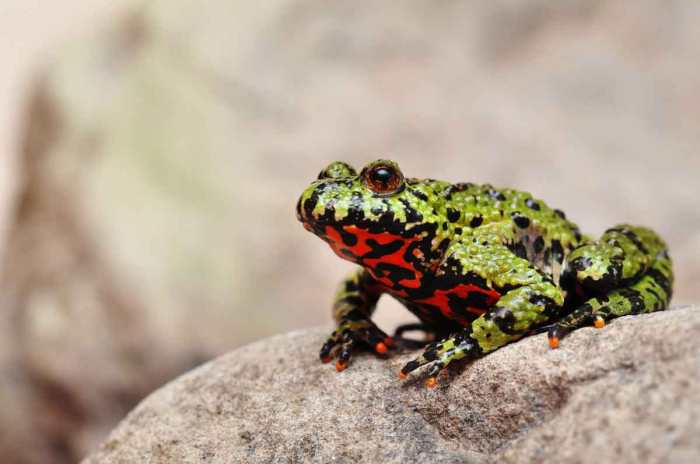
column 315, row 225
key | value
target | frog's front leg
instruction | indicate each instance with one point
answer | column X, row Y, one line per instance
column 528, row 300
column 352, row 309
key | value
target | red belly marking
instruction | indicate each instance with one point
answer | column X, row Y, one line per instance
column 440, row 299
column 361, row 248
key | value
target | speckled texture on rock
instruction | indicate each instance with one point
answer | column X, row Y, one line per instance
column 627, row 393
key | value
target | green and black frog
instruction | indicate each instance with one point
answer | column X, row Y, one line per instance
column 479, row 266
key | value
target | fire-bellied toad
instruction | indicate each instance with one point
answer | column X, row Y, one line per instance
column 479, row 266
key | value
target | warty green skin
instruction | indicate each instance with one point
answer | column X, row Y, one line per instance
column 479, row 266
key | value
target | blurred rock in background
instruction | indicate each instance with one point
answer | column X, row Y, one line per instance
column 154, row 224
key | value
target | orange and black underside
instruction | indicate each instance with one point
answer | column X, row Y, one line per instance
column 400, row 266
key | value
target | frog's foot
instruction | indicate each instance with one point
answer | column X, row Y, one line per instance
column 556, row 332
column 442, row 353
column 348, row 336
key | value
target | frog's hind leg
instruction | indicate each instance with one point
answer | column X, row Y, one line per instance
column 630, row 271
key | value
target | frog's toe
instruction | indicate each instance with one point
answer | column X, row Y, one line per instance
column 344, row 340
column 327, row 349
column 427, row 357
column 440, row 355
column 599, row 322
column 555, row 334
column 344, row 356
column 378, row 340
column 339, row 345
column 439, row 362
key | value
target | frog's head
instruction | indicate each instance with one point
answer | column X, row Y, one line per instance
column 377, row 216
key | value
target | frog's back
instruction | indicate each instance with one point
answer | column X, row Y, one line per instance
column 529, row 225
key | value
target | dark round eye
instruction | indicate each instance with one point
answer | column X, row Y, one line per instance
column 383, row 179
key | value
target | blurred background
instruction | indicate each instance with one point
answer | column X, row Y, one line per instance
column 151, row 154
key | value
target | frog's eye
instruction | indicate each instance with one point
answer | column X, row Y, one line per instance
column 383, row 178
column 337, row 169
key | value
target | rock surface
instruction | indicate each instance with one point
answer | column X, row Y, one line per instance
column 626, row 394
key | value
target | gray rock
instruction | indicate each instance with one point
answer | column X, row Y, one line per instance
column 628, row 393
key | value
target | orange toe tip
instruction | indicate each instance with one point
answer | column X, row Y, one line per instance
column 431, row 382
column 380, row 348
column 340, row 366
column 599, row 323
column 388, row 341
column 403, row 375
column 554, row 343
column 326, row 359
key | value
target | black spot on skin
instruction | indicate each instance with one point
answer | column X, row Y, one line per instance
column 310, row 204
column 606, row 282
column 477, row 300
column 519, row 250
column 532, row 204
column 443, row 246
column 348, row 238
column 474, row 299
column 557, row 251
column 454, row 277
column 419, row 194
column 582, row 263
column 385, row 221
column 476, row 221
column 459, row 187
column 394, row 272
column 661, row 280
column 653, row 293
column 411, row 214
column 410, row 366
column 458, row 230
column 550, row 307
column 586, row 314
column 462, row 186
column 379, row 250
column 547, row 255
column 538, row 245
column 635, row 298
column 503, row 318
column 567, row 279
column 444, row 226
column 496, row 195
column 632, row 238
column 560, row 213
column 521, row 221
column 453, row 215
